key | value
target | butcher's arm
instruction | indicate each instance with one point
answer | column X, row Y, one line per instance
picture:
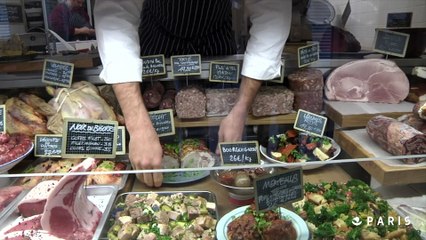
column 118, row 42
column 271, row 21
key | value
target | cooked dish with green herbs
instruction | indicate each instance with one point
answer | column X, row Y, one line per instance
column 293, row 146
column 268, row 225
column 351, row 211
column 163, row 217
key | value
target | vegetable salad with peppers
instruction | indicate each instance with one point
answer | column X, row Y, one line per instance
column 351, row 211
column 293, row 146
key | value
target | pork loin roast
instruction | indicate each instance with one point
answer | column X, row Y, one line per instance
column 369, row 80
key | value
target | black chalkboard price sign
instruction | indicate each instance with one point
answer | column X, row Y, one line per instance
column 391, row 42
column 121, row 141
column 153, row 65
column 236, row 153
column 89, row 138
column 224, row 72
column 48, row 145
column 2, row 118
column 57, row 73
column 185, row 65
column 310, row 122
column 163, row 122
column 272, row 191
column 307, row 54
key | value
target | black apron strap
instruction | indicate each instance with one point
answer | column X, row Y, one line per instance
column 174, row 27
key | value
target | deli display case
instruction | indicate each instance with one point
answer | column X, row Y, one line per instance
column 337, row 142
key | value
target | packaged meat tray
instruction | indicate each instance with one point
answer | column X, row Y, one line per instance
column 44, row 165
column 172, row 214
column 102, row 196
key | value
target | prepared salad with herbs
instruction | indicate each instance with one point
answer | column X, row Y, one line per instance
column 351, row 211
column 293, row 146
column 163, row 217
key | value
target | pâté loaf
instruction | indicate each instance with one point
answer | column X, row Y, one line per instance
column 272, row 100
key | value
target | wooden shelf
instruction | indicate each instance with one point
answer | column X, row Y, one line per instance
column 215, row 121
column 357, row 114
column 358, row 144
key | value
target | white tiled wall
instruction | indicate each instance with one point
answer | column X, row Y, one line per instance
column 366, row 15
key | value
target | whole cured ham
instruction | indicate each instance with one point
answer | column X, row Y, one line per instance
column 397, row 138
column 369, row 80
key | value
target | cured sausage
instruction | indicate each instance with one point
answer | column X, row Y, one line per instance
column 15, row 147
column 396, row 137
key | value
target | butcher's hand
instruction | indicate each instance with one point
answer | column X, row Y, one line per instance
column 145, row 152
column 232, row 126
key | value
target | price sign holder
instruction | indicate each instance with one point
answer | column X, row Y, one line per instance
column 163, row 122
column 89, row 138
column 237, row 153
column 307, row 54
column 310, row 122
column 278, row 189
column 281, row 79
column 48, row 145
column 224, row 72
column 186, row 65
column 2, row 118
column 57, row 73
column 121, row 141
column 153, row 65
column 391, row 42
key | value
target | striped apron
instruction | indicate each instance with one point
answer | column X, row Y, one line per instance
column 175, row 27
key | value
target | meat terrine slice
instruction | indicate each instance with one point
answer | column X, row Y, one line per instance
column 306, row 79
column 311, row 101
column 191, row 103
column 273, row 100
column 220, row 101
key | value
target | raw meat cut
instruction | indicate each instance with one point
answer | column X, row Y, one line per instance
column 273, row 100
column 306, row 79
column 31, row 223
column 413, row 121
column 8, row 194
column 68, row 212
column 33, row 203
column 397, row 138
column 419, row 110
column 191, row 103
column 369, row 80
column 221, row 101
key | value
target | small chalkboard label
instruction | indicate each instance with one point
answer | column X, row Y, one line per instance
column 401, row 19
column 224, row 72
column 272, row 191
column 48, row 145
column 391, row 42
column 307, row 54
column 153, row 65
column 310, row 122
column 163, row 122
column 236, row 153
column 57, row 73
column 2, row 118
column 89, row 138
column 185, row 65
column 121, row 141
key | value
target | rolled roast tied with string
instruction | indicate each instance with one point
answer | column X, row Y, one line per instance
column 397, row 138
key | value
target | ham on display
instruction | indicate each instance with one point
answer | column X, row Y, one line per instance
column 397, row 138
column 369, row 80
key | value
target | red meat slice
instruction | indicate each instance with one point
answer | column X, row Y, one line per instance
column 68, row 212
column 7, row 194
column 34, row 202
